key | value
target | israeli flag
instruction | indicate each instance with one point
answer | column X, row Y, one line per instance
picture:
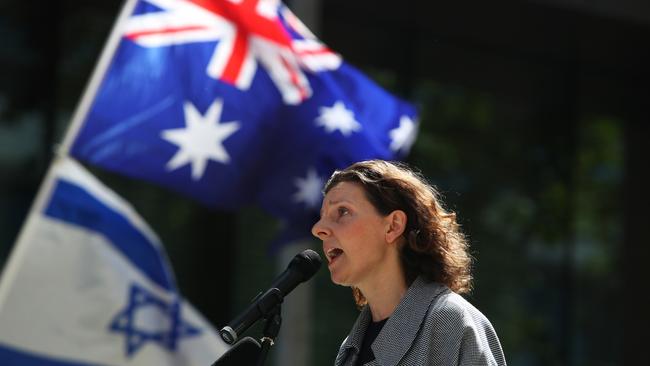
column 88, row 283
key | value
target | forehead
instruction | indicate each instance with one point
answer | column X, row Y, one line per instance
column 351, row 192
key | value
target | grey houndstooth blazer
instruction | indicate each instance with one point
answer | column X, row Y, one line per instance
column 431, row 326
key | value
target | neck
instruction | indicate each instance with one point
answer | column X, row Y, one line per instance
column 385, row 293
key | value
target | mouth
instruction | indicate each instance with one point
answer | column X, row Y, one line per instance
column 333, row 253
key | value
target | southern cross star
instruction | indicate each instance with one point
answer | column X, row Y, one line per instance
column 309, row 189
column 201, row 139
column 403, row 136
column 337, row 117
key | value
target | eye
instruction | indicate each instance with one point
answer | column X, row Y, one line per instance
column 342, row 211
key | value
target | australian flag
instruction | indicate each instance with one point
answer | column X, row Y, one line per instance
column 236, row 102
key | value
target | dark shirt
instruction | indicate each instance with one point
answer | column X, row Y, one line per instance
column 365, row 353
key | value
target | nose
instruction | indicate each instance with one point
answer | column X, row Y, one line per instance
column 320, row 230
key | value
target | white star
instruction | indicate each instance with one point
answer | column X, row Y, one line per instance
column 403, row 136
column 201, row 140
column 339, row 118
column 309, row 189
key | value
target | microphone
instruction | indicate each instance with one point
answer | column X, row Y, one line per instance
column 301, row 268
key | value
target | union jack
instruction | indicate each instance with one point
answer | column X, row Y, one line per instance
column 247, row 32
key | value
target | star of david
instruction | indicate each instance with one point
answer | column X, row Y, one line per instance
column 143, row 305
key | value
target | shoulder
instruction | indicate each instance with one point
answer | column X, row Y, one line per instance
column 453, row 323
column 453, row 309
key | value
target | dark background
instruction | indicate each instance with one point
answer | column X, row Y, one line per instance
column 534, row 126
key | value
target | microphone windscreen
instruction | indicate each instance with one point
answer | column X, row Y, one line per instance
column 307, row 263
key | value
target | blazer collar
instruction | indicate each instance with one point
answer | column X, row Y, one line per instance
column 401, row 328
column 358, row 330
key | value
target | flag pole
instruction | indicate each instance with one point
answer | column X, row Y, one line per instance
column 62, row 151
column 96, row 78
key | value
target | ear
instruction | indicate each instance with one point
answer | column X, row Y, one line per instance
column 396, row 224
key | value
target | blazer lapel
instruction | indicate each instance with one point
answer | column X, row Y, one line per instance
column 349, row 350
column 402, row 327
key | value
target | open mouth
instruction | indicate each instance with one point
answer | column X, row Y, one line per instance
column 333, row 253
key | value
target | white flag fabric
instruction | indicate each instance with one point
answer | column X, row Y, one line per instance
column 88, row 283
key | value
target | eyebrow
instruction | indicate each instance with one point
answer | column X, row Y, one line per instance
column 332, row 202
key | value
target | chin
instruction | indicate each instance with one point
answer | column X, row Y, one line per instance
column 338, row 281
column 343, row 283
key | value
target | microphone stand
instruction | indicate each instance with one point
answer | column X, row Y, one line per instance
column 271, row 330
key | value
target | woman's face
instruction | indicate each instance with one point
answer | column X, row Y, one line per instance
column 353, row 235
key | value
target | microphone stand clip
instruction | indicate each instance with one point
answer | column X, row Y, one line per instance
column 271, row 330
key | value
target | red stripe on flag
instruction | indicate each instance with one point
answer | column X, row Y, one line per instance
column 246, row 18
column 294, row 79
column 320, row 51
column 136, row 35
column 237, row 58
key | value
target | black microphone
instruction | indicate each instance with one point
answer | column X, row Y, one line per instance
column 301, row 268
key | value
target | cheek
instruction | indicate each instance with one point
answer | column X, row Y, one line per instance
column 366, row 239
column 356, row 235
column 357, row 231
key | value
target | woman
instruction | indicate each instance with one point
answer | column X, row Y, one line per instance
column 386, row 235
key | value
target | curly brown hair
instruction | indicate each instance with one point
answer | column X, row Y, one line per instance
column 434, row 247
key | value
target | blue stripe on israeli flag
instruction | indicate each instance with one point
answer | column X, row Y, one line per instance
column 74, row 205
column 10, row 356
